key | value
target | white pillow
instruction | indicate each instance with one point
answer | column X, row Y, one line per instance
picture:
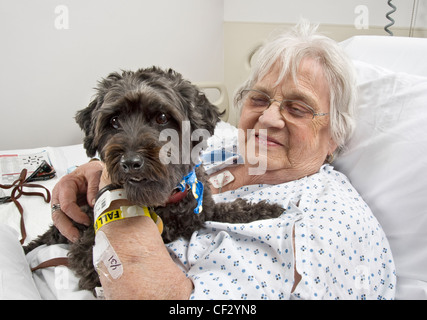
column 386, row 161
column 400, row 54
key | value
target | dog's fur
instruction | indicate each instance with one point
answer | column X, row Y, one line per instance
column 124, row 121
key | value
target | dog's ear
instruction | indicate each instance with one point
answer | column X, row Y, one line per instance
column 86, row 117
column 85, row 121
column 203, row 114
column 209, row 112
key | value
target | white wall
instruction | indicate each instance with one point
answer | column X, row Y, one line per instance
column 247, row 23
column 47, row 73
column 323, row 11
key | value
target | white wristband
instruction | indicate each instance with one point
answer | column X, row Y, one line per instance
column 105, row 200
column 104, row 252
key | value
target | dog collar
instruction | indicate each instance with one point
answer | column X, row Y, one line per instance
column 177, row 196
column 189, row 180
column 196, row 187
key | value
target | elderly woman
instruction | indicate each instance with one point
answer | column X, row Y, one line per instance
column 297, row 109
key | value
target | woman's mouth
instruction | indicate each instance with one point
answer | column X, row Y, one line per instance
column 267, row 140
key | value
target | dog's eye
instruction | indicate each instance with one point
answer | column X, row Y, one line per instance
column 162, row 118
column 115, row 122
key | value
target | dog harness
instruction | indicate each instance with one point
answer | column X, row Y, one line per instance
column 109, row 194
column 196, row 187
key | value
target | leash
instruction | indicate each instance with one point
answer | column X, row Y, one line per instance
column 17, row 191
column 55, row 262
column 190, row 179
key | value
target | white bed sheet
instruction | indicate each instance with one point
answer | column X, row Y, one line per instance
column 37, row 214
column 386, row 159
column 16, row 280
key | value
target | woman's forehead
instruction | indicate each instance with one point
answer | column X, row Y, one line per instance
column 308, row 70
column 308, row 82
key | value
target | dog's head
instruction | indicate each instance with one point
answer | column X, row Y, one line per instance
column 143, row 125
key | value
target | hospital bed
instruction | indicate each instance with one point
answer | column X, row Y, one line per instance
column 386, row 160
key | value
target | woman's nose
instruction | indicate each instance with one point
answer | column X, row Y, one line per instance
column 271, row 117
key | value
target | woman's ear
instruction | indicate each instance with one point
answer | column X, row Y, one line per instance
column 332, row 146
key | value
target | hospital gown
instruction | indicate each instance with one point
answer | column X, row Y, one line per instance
column 341, row 251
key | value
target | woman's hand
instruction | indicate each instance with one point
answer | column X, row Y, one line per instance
column 148, row 270
column 73, row 190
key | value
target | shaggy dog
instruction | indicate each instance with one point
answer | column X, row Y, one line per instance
column 124, row 124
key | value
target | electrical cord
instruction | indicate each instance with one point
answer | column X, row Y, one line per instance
column 386, row 28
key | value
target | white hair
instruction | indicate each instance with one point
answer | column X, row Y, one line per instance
column 289, row 49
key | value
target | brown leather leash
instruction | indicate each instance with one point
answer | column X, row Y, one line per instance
column 51, row 263
column 17, row 191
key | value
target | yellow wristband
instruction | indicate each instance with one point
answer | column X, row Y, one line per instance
column 126, row 212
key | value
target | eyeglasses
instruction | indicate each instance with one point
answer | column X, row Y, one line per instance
column 292, row 110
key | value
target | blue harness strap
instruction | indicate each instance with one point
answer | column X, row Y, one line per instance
column 196, row 187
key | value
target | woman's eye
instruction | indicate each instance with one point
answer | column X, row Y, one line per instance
column 296, row 110
column 260, row 101
column 162, row 118
column 115, row 122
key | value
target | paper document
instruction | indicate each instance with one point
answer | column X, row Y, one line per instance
column 11, row 165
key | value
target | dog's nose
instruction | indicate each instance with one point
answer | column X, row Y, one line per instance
column 131, row 162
